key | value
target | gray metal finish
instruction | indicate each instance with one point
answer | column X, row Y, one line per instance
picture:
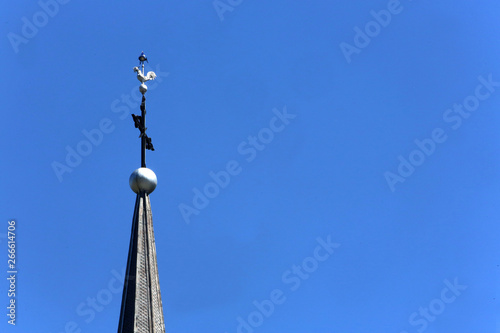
column 143, row 180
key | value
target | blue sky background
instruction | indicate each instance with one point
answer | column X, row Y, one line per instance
column 322, row 176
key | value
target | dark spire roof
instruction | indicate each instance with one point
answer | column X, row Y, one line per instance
column 141, row 309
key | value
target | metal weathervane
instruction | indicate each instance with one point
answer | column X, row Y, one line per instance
column 140, row 121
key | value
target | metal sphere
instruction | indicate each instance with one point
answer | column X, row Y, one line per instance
column 143, row 180
column 143, row 88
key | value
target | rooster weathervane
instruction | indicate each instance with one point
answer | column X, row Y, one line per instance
column 140, row 121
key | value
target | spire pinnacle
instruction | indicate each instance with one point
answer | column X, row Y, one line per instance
column 141, row 308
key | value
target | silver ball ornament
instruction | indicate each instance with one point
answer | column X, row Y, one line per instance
column 143, row 180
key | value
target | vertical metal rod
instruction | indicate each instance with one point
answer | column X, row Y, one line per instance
column 143, row 137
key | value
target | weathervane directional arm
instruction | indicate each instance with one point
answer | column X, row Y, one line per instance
column 138, row 123
column 149, row 144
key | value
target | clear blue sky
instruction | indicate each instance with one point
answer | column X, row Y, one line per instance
column 361, row 137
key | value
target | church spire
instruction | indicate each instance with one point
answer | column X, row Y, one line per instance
column 141, row 309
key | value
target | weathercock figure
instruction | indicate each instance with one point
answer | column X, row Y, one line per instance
column 140, row 121
column 140, row 74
